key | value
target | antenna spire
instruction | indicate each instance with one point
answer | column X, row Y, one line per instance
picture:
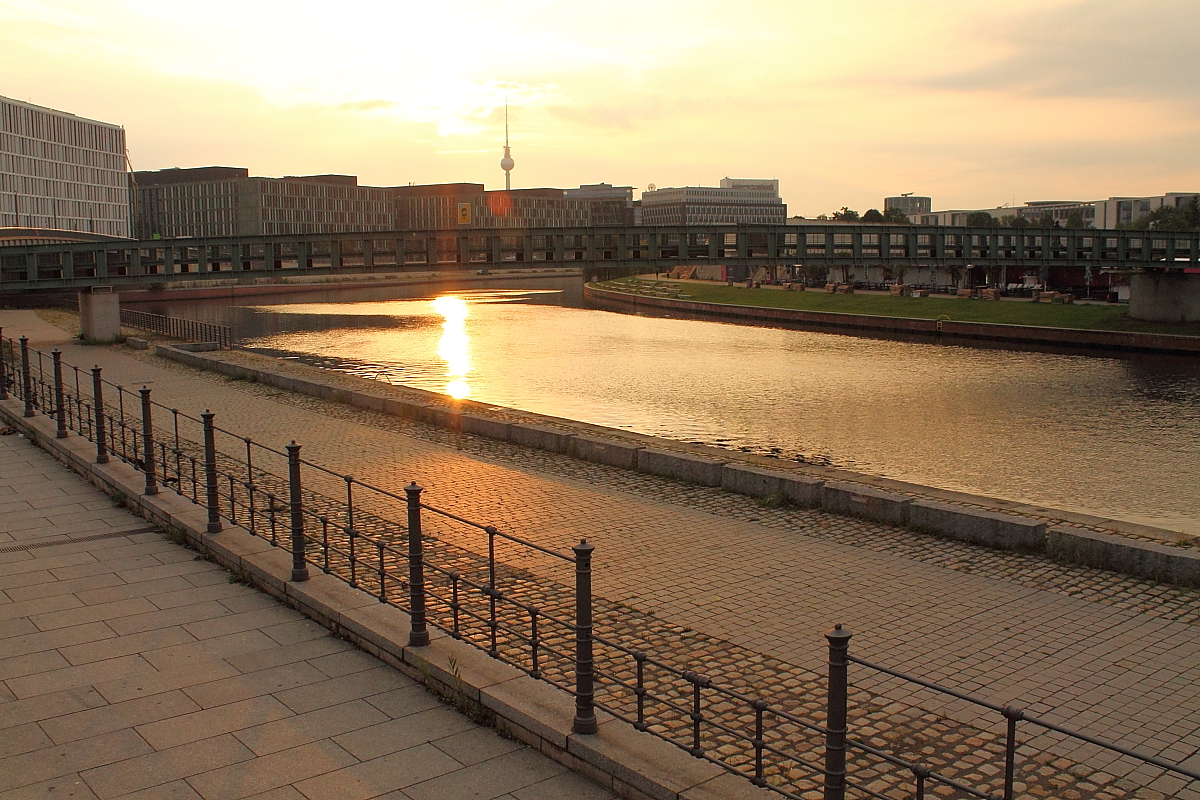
column 507, row 162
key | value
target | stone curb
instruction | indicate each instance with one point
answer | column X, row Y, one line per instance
column 1154, row 562
column 963, row 523
column 631, row 764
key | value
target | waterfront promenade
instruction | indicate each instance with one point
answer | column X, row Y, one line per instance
column 130, row 668
column 1110, row 655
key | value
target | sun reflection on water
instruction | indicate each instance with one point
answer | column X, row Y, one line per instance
column 452, row 347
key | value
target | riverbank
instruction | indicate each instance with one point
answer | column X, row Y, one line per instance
column 231, row 287
column 682, row 551
column 943, row 319
column 1121, row 546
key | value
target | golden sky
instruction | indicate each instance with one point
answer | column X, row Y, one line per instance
column 974, row 103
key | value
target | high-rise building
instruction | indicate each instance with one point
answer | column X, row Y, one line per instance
column 909, row 204
column 60, row 172
column 735, row 201
column 452, row 206
column 227, row 201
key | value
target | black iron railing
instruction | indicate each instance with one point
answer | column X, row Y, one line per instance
column 488, row 588
column 189, row 330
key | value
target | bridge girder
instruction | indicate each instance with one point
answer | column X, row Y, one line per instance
column 648, row 248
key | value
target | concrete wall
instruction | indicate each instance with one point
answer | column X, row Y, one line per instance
column 1165, row 297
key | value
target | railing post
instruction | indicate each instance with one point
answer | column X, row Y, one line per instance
column 60, row 401
column 1012, row 715
column 299, row 564
column 98, row 403
column 835, row 718
column 418, row 634
column 148, row 443
column 585, row 712
column 26, row 377
column 3, row 367
column 212, row 498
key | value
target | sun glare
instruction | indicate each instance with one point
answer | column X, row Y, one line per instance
column 453, row 346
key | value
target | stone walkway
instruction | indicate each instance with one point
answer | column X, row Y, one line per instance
column 1113, row 656
column 128, row 668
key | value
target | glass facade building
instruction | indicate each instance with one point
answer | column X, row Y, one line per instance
column 61, row 172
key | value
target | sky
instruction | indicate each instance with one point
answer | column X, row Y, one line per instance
column 974, row 103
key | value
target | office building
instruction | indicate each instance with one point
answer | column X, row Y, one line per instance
column 909, row 204
column 1060, row 212
column 1119, row 211
column 60, row 172
column 608, row 204
column 228, row 201
column 453, row 206
column 735, row 201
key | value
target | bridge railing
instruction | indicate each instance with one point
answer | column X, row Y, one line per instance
column 787, row 730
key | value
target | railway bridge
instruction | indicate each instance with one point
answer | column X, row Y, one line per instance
column 949, row 255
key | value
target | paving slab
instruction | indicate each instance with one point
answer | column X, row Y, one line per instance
column 121, row 679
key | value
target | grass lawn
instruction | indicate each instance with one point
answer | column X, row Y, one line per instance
column 1087, row 317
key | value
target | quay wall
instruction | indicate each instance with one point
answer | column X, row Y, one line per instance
column 1114, row 545
column 943, row 329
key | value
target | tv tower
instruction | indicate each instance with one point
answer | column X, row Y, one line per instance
column 507, row 162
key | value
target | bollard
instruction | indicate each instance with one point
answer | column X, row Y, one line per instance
column 60, row 404
column 835, row 716
column 26, row 377
column 585, row 712
column 148, row 443
column 418, row 634
column 98, row 398
column 299, row 564
column 212, row 499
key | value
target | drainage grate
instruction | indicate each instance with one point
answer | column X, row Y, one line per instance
column 14, row 548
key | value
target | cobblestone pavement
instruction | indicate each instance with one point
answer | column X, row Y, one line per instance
column 128, row 668
column 1114, row 656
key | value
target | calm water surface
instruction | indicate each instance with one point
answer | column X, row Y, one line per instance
column 1115, row 437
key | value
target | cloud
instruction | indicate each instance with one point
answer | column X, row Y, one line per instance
column 1098, row 48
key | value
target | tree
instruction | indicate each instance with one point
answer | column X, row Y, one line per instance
column 845, row 215
column 981, row 219
column 873, row 216
column 1171, row 218
column 1013, row 221
column 895, row 216
column 1043, row 220
column 1075, row 220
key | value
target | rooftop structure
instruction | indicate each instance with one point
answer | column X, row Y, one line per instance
column 61, row 172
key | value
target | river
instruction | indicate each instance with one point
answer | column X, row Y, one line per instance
column 1116, row 437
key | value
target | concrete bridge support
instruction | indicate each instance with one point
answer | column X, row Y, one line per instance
column 1162, row 296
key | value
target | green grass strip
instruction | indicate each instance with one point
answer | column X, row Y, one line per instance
column 1005, row 312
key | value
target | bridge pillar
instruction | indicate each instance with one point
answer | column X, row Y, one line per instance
column 100, row 314
column 1162, row 296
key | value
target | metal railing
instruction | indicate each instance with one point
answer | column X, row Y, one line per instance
column 189, row 330
column 487, row 588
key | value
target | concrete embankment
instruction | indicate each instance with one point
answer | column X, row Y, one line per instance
column 214, row 288
column 941, row 329
column 1071, row 538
